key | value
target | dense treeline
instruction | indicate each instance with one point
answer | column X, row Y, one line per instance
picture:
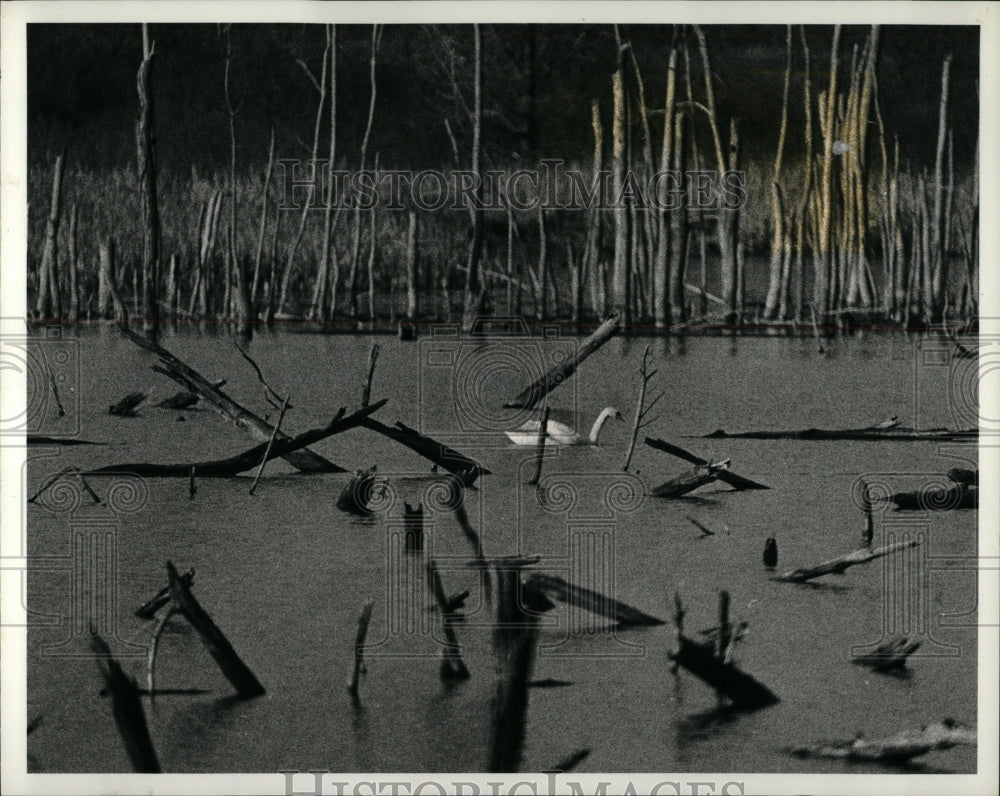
column 870, row 204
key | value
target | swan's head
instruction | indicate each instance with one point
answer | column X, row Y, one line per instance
column 613, row 412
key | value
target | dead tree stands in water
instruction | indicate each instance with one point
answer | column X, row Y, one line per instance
column 49, row 299
column 147, row 183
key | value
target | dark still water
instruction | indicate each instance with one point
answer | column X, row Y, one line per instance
column 284, row 573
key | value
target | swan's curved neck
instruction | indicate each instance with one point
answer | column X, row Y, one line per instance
column 598, row 425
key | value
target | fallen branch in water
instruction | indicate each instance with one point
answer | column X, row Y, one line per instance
column 234, row 465
column 215, row 642
column 731, row 478
column 190, row 379
column 468, row 470
column 531, row 395
column 889, row 656
column 837, row 566
column 641, row 410
column 556, row 588
column 689, row 481
column 877, row 432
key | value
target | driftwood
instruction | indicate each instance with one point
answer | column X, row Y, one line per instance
column 899, row 748
column 731, row 478
column 555, row 588
column 127, row 405
column 468, row 470
column 689, row 481
column 190, row 379
column 959, row 496
column 531, row 395
column 234, row 465
column 889, row 656
column 895, row 433
column 837, row 566
column 129, row 715
column 215, row 642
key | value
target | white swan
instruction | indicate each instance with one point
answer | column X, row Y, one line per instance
column 559, row 433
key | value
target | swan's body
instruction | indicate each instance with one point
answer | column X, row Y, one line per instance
column 557, row 433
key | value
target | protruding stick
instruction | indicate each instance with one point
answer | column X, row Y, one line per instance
column 270, row 443
column 543, row 431
column 359, row 647
column 372, row 359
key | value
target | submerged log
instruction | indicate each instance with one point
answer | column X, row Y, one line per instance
column 215, row 642
column 357, row 493
column 127, row 405
column 877, row 432
column 556, row 588
column 899, row 748
column 837, row 566
column 959, row 496
column 889, row 656
column 689, row 481
column 234, row 465
column 190, row 379
column 731, row 478
column 179, row 400
column 531, row 395
column 130, row 718
column 38, row 439
column 740, row 688
column 468, row 470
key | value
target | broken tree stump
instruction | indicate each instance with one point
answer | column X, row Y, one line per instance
column 413, row 528
column 531, row 395
column 179, row 400
column 215, row 642
column 889, row 656
column 543, row 430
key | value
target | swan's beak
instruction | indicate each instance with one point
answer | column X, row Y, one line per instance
column 618, row 416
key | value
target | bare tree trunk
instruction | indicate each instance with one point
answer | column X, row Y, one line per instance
column 147, row 186
column 773, row 300
column 74, row 267
column 310, row 198
column 664, row 310
column 592, row 249
column 678, row 251
column 321, row 308
column 411, row 266
column 352, row 278
column 620, row 274
column 263, row 226
column 938, row 253
column 48, row 284
column 106, row 279
column 472, row 279
column 824, row 261
column 543, row 265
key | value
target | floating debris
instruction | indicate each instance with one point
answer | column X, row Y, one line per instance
column 899, row 748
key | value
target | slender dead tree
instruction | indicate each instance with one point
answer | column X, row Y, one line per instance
column 329, row 270
column 777, row 211
column 620, row 271
column 938, row 240
column 824, row 259
column 472, row 278
column 352, row 279
column 146, row 144
column 48, row 283
column 665, row 311
column 258, row 255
